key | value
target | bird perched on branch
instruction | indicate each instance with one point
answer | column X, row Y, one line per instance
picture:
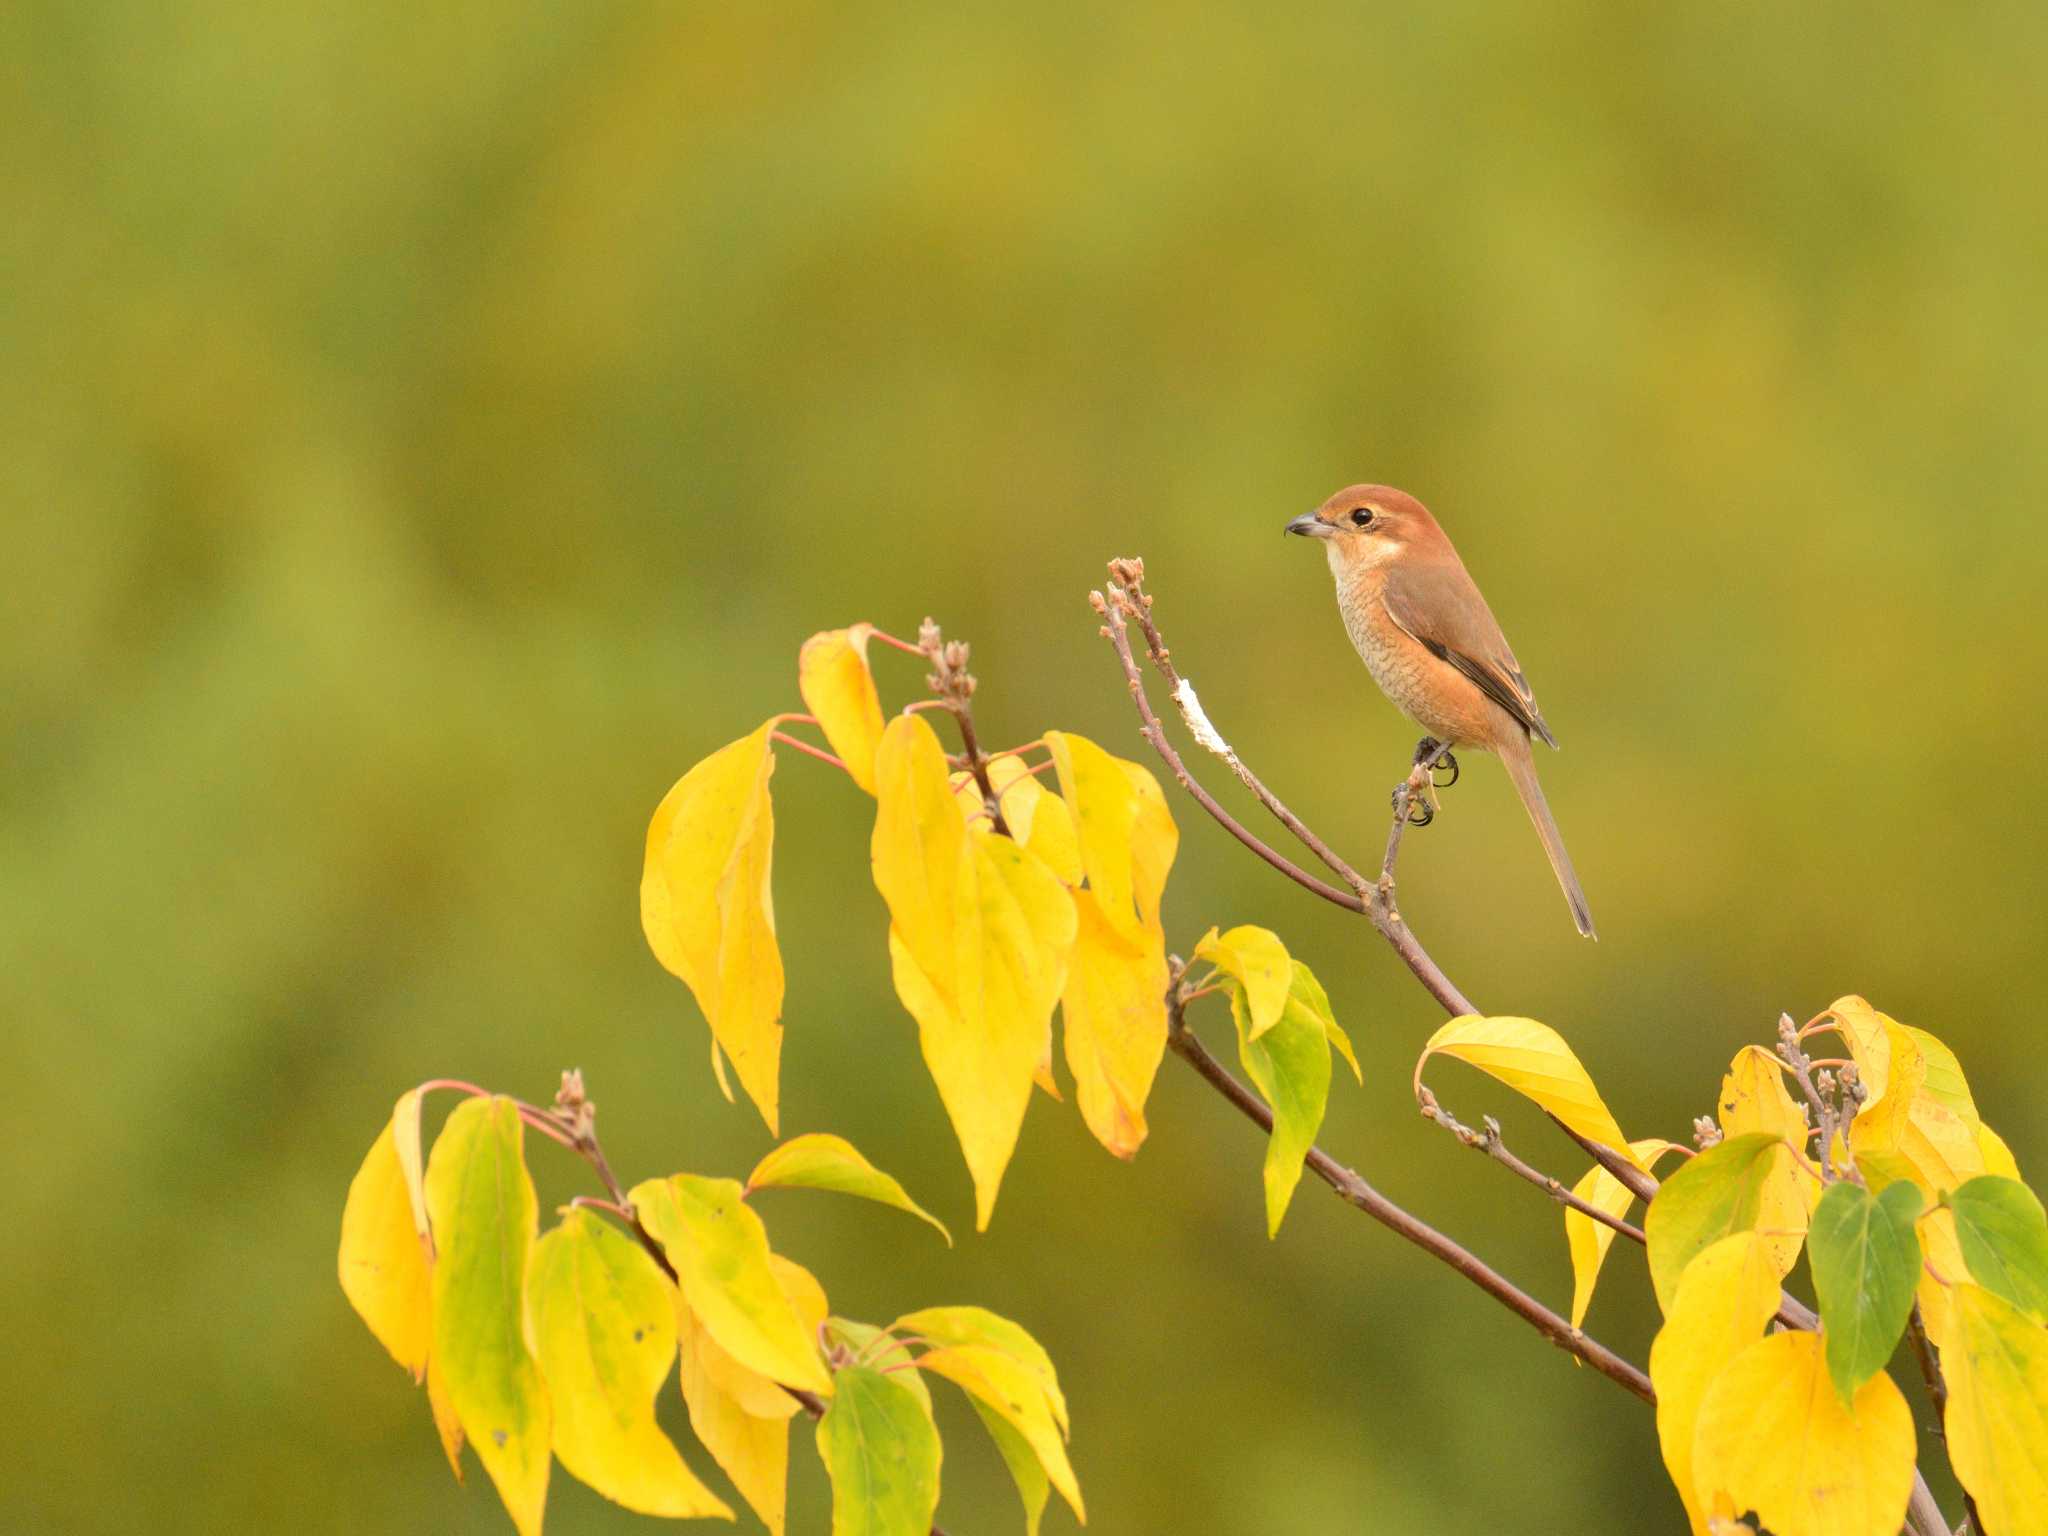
column 1433, row 646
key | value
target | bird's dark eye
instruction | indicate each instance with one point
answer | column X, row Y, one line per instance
column 1362, row 517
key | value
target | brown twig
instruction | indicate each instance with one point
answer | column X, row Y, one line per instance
column 1375, row 901
column 1490, row 1142
column 953, row 685
column 1130, row 603
column 1354, row 1190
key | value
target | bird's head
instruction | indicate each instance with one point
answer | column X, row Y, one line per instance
column 1366, row 524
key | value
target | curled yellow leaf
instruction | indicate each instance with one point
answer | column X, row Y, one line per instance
column 1009, row 1389
column 751, row 1449
column 707, row 911
column 820, row 1161
column 1587, row 1240
column 385, row 1261
column 1114, row 1011
column 1532, row 1059
column 1259, row 962
column 832, row 674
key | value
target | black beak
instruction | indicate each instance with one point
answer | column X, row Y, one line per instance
column 1310, row 526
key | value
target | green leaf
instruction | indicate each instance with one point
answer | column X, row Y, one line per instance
column 1033, row 1486
column 1866, row 1261
column 1715, row 1194
column 880, row 1350
column 882, row 1452
column 2004, row 1238
column 720, row 1253
column 819, row 1161
column 1304, row 991
column 1290, row 1066
column 484, row 1214
column 602, row 1319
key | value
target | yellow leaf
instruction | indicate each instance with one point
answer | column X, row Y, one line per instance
column 1155, row 840
column 1997, row 1419
column 719, row 1250
column 1774, row 1436
column 484, row 1214
column 1533, row 1060
column 979, row 1326
column 1754, row 1098
column 603, row 1325
column 1941, row 1253
column 751, row 1449
column 1905, row 1132
column 447, row 1427
column 1726, row 1296
column 1997, row 1155
column 1588, row 1240
column 819, row 1161
column 1037, row 818
column 805, row 1294
column 1013, row 1392
column 707, row 911
column 1259, row 961
column 979, row 938
column 1114, row 1007
column 1104, row 801
column 832, row 674
column 385, row 1266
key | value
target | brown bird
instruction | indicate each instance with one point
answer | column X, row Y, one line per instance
column 1432, row 644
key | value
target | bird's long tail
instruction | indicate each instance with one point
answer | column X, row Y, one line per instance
column 1521, row 765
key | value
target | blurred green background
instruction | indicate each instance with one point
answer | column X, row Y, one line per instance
column 425, row 431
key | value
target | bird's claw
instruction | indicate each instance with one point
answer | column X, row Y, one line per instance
column 1445, row 764
column 1418, row 812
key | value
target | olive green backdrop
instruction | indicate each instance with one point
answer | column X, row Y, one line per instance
column 426, row 430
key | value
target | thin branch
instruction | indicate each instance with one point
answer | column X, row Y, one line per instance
column 953, row 685
column 1490, row 1142
column 1355, row 1191
column 787, row 740
column 1374, row 901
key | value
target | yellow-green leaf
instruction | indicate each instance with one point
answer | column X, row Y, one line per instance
column 484, row 1215
column 1532, row 1059
column 1905, row 1132
column 1259, row 962
column 1588, row 1240
column 384, row 1263
column 1012, row 1391
column 1033, row 1487
column 1307, row 993
column 882, row 1452
column 879, row 1348
column 832, row 674
column 979, row 938
column 820, row 1161
column 603, row 1324
column 1290, row 1066
column 1774, row 1437
column 985, row 1329
column 1719, row 1192
column 1104, row 801
column 1114, row 1010
column 1724, row 1299
column 719, row 1250
column 1997, row 1418
column 752, row 1449
column 707, row 911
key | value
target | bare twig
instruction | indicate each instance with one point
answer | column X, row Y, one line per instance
column 1129, row 603
column 1375, row 900
column 954, row 685
column 1490, row 1142
column 1354, row 1190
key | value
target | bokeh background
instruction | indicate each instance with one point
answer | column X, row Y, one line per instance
column 425, row 431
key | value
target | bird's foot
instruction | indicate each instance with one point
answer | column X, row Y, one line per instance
column 1434, row 757
column 1413, row 806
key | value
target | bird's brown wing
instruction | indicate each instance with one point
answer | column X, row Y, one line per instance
column 1440, row 607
